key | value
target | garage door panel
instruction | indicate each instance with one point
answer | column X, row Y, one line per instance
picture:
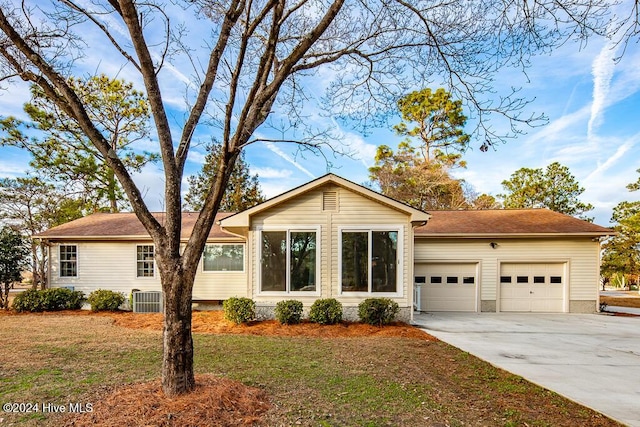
column 532, row 287
column 448, row 287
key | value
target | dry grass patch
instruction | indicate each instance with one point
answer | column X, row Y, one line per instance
column 621, row 301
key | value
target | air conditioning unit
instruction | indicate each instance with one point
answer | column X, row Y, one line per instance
column 147, row 302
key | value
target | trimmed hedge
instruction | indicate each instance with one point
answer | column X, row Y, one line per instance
column 105, row 300
column 326, row 311
column 378, row 311
column 239, row 310
column 53, row 299
column 288, row 312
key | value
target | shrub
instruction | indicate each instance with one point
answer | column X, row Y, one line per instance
column 29, row 300
column 48, row 300
column 239, row 310
column 289, row 312
column 105, row 300
column 378, row 311
column 326, row 311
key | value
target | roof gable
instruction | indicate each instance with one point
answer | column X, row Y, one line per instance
column 516, row 222
column 242, row 219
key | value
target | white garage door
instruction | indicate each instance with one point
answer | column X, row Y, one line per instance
column 532, row 287
column 447, row 287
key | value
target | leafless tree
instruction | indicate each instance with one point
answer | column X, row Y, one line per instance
column 253, row 59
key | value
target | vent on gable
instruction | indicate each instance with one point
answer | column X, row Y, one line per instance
column 330, row 201
column 147, row 302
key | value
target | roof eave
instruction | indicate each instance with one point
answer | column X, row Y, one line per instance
column 510, row 235
column 127, row 238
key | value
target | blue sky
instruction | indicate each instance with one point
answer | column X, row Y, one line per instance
column 592, row 103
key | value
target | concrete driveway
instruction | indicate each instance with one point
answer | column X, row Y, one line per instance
column 592, row 359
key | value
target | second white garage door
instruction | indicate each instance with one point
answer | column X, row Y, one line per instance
column 448, row 287
column 532, row 287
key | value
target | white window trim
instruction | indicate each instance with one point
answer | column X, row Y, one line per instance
column 317, row 229
column 400, row 259
column 155, row 267
column 244, row 259
column 60, row 276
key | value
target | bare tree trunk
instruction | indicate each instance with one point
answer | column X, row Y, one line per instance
column 43, row 271
column 177, row 358
column 35, row 271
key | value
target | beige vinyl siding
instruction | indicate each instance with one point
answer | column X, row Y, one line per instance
column 104, row 265
column 220, row 285
column 112, row 265
column 352, row 210
column 580, row 255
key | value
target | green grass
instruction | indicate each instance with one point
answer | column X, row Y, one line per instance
column 310, row 381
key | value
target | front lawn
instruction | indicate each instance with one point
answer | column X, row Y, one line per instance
column 309, row 381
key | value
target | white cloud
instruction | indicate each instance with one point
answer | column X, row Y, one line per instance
column 613, row 159
column 271, row 173
column 272, row 189
column 13, row 169
column 602, row 69
column 276, row 150
column 150, row 180
column 196, row 157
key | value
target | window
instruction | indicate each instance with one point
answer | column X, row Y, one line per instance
column 68, row 261
column 223, row 258
column 145, row 264
column 452, row 279
column 522, row 279
column 505, row 279
column 555, row 279
column 436, row 279
column 289, row 261
column 538, row 279
column 469, row 280
column 369, row 261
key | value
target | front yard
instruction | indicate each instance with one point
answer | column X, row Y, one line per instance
column 399, row 378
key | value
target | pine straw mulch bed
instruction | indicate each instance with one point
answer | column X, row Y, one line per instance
column 213, row 322
column 215, row 402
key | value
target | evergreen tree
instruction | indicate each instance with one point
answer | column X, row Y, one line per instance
column 622, row 252
column 13, row 258
column 554, row 188
column 242, row 192
column 407, row 177
column 63, row 153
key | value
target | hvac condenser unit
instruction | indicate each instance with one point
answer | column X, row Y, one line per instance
column 147, row 302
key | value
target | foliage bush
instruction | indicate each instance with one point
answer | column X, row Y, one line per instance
column 378, row 311
column 326, row 311
column 288, row 312
column 105, row 300
column 53, row 299
column 239, row 310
